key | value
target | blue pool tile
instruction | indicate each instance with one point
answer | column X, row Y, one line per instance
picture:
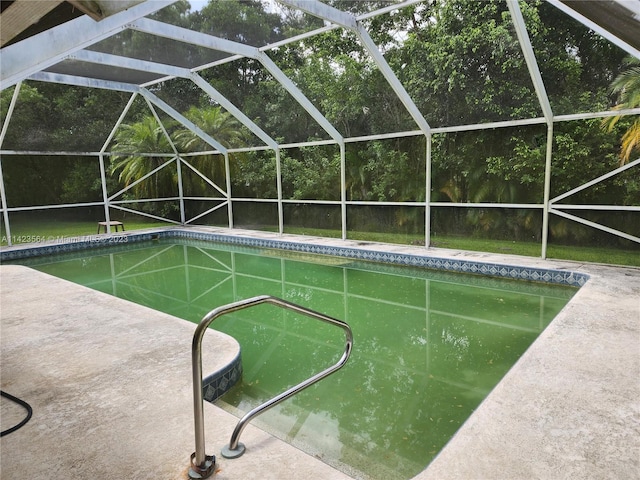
column 504, row 271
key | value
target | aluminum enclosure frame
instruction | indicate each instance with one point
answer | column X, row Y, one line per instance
column 83, row 32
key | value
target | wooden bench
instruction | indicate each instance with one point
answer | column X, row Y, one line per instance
column 110, row 224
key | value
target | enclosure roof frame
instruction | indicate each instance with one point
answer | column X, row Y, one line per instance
column 45, row 49
column 29, row 59
column 75, row 35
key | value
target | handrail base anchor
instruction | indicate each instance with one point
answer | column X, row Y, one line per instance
column 227, row 452
column 205, row 470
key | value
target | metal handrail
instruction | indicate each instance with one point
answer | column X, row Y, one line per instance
column 203, row 465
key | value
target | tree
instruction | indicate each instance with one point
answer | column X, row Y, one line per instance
column 131, row 140
column 214, row 121
column 26, row 130
column 222, row 127
column 627, row 87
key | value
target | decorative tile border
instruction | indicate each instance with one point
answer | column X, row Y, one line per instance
column 95, row 243
column 561, row 277
column 99, row 243
column 218, row 383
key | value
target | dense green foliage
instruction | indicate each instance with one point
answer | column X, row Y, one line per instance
column 459, row 60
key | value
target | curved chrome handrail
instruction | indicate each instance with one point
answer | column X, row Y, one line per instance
column 202, row 465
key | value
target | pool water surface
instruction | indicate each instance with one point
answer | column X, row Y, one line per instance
column 428, row 345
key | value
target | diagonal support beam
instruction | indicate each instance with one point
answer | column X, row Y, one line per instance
column 296, row 93
column 348, row 21
column 36, row 53
column 595, row 225
column 233, row 110
column 163, row 69
column 127, row 87
column 183, row 120
column 599, row 179
column 208, row 41
column 391, row 78
column 616, row 40
column 530, row 58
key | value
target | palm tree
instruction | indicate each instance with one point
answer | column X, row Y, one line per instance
column 214, row 121
column 627, row 86
column 145, row 136
column 221, row 126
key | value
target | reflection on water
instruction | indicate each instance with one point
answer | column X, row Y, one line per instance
column 428, row 346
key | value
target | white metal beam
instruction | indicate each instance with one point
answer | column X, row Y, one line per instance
column 593, row 182
column 611, row 208
column 3, row 193
column 208, row 41
column 296, row 93
column 40, row 51
column 141, row 179
column 172, row 71
column 530, row 58
column 121, row 118
column 348, row 21
column 546, row 190
column 200, row 215
column 144, row 214
column 183, row 120
column 160, row 29
column 596, row 28
column 233, row 110
column 161, row 125
column 391, row 78
column 12, row 106
column 105, row 193
column 597, row 226
column 118, row 61
column 83, row 82
column 324, row 11
column 204, row 177
column 3, row 207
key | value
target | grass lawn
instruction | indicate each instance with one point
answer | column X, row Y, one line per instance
column 612, row 255
column 46, row 230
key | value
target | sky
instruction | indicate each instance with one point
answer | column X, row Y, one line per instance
column 197, row 4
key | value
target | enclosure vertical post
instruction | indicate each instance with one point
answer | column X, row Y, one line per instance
column 279, row 190
column 227, row 170
column 114, row 279
column 427, row 194
column 543, row 100
column 12, row 105
column 180, row 190
column 343, row 189
column 5, row 213
column 103, row 182
column 3, row 193
column 103, row 176
column 547, row 190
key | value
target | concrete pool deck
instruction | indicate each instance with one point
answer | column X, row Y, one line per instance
column 110, row 385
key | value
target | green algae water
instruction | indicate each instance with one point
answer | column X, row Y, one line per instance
column 428, row 346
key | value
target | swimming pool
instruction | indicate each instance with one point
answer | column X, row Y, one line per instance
column 428, row 345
